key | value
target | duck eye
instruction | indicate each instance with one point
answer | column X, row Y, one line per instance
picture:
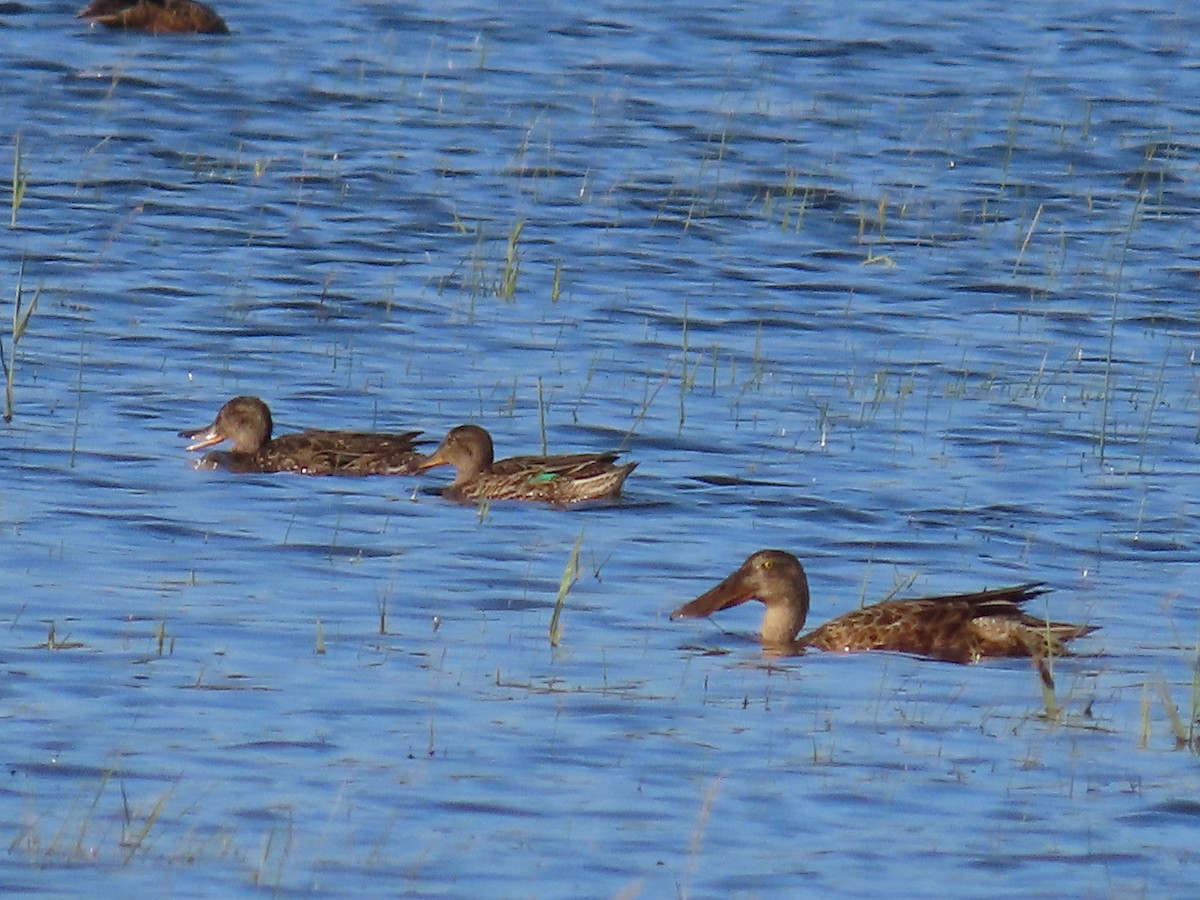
column 768, row 563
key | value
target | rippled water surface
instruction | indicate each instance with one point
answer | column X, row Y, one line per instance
column 907, row 289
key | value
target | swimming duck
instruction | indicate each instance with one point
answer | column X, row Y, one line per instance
column 156, row 16
column 551, row 479
column 246, row 421
column 959, row 628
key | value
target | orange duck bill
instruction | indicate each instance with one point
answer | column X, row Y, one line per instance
column 738, row 588
column 433, row 460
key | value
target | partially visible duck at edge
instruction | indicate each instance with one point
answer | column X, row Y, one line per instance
column 156, row 16
column 246, row 422
column 561, row 480
column 960, row 628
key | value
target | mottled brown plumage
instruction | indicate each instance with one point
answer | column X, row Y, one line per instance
column 551, row 479
column 156, row 16
column 958, row 628
column 246, row 421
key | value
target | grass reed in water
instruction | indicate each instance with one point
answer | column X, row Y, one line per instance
column 382, row 604
column 542, row 415
column 569, row 576
column 507, row 288
column 556, row 285
column 20, row 322
column 1134, row 215
column 20, row 181
column 1185, row 732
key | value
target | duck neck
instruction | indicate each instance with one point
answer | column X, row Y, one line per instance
column 469, row 472
column 474, row 466
column 787, row 608
column 782, row 622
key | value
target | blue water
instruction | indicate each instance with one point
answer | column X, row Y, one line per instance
column 909, row 290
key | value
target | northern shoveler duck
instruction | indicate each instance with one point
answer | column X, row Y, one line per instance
column 156, row 16
column 246, row 421
column 551, row 479
column 959, row 628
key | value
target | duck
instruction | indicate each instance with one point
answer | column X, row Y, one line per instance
column 156, row 16
column 959, row 628
column 246, row 422
column 560, row 480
